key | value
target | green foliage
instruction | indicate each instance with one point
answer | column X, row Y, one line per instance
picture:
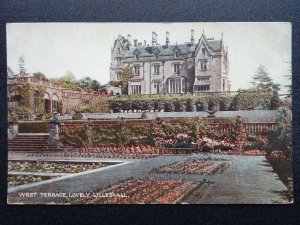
column 127, row 73
column 250, row 98
column 36, row 127
column 116, row 83
column 281, row 138
column 41, row 89
column 26, row 99
column 60, row 106
column 99, row 105
column 87, row 84
column 275, row 101
column 67, row 81
column 261, row 79
column 10, row 72
column 239, row 134
column 40, row 75
column 120, row 134
column 81, row 135
column 244, row 100
column 77, row 116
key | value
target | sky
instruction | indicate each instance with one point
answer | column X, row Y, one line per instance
column 85, row 48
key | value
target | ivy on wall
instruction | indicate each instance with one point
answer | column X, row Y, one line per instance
column 27, row 94
column 41, row 89
column 26, row 106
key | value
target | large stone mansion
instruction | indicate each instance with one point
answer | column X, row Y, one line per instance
column 192, row 67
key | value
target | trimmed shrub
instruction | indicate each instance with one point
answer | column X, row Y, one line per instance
column 36, row 127
column 245, row 99
column 77, row 116
column 252, row 98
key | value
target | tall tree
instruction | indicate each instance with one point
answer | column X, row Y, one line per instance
column 21, row 62
column 261, row 79
column 275, row 101
column 289, row 86
column 87, row 83
column 68, row 78
column 40, row 75
column 10, row 72
column 95, row 85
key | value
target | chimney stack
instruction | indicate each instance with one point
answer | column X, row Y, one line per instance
column 192, row 36
column 154, row 39
column 129, row 40
column 167, row 38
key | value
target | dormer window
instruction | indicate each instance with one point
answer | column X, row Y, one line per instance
column 203, row 51
column 176, row 54
column 136, row 57
column 119, row 50
column 156, row 55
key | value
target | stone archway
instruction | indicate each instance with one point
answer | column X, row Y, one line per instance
column 55, row 100
column 36, row 101
column 14, row 97
column 47, row 103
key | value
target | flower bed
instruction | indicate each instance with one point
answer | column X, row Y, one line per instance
column 283, row 167
column 123, row 150
column 194, row 166
column 242, row 152
column 146, row 191
column 16, row 180
column 113, row 152
column 53, row 167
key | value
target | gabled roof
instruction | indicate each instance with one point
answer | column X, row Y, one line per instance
column 162, row 49
column 215, row 45
column 176, row 48
column 136, row 52
column 211, row 45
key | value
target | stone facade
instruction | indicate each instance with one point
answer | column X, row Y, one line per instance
column 171, row 69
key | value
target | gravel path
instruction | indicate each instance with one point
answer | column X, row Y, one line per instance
column 249, row 179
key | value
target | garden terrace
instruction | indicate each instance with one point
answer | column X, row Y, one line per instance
column 145, row 191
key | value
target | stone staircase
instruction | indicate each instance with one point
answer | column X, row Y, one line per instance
column 39, row 142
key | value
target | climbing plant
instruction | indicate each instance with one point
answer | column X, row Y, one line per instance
column 26, row 106
column 41, row 89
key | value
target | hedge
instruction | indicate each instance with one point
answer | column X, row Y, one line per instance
column 244, row 100
column 36, row 127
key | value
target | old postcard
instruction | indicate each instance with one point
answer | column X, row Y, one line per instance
column 149, row 113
